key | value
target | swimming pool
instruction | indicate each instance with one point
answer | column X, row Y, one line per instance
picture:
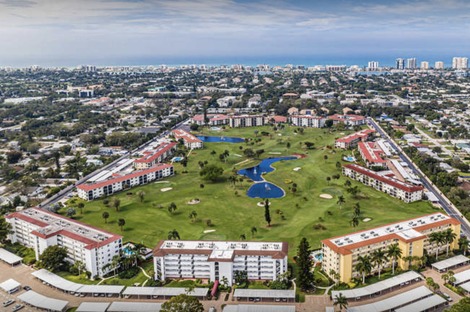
column 220, row 139
column 349, row 158
column 261, row 188
column 176, row 158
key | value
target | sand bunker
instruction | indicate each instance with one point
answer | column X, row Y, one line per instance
column 275, row 153
column 208, row 231
column 297, row 168
column 326, row 196
column 194, row 202
column 166, row 189
column 160, row 182
column 366, row 220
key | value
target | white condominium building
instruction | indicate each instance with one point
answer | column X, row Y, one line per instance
column 216, row 260
column 460, row 63
column 190, row 141
column 439, row 65
column 405, row 191
column 118, row 183
column 307, row 121
column 151, row 158
column 246, row 121
column 39, row 229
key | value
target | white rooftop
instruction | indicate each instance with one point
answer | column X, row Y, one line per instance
column 451, row 262
column 134, row 307
column 258, row 308
column 264, row 293
column 424, row 304
column 222, row 245
column 462, row 277
column 164, row 291
column 405, row 229
column 9, row 285
column 43, row 302
column 92, row 307
column 56, row 222
column 9, row 257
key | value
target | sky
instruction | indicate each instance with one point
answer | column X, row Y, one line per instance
column 154, row 32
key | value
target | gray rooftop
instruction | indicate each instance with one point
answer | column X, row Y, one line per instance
column 258, row 308
column 393, row 302
column 134, row 307
column 43, row 302
column 92, row 307
column 423, row 304
column 9, row 257
column 105, row 289
column 264, row 293
column 449, row 263
column 466, row 286
column 462, row 277
column 9, row 285
column 163, row 291
column 378, row 287
column 56, row 281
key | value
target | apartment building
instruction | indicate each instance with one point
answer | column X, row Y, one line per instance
column 341, row 253
column 351, row 140
column 190, row 141
column 372, row 154
column 404, row 191
column 118, row 183
column 151, row 158
column 216, row 260
column 246, row 121
column 213, row 119
column 348, row 119
column 460, row 63
column 38, row 229
column 307, row 121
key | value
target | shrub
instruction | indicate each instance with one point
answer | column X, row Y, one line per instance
column 129, row 273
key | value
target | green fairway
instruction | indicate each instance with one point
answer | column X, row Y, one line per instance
column 232, row 213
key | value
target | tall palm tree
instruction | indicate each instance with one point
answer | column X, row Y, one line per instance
column 121, row 223
column 340, row 201
column 379, row 257
column 335, row 275
column 253, row 231
column 436, row 238
column 357, row 210
column 394, row 253
column 105, row 216
column 341, row 301
column 354, row 221
column 463, row 244
column 449, row 237
column 193, row 215
column 363, row 266
column 173, row 234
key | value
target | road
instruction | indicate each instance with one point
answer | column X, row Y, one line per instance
column 68, row 190
column 445, row 150
column 443, row 201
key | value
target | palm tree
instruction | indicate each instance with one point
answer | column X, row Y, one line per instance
column 116, row 203
column 463, row 244
column 242, row 237
column 141, row 195
column 394, row 253
column 340, row 200
column 347, row 183
column 173, row 234
column 172, row 208
column 445, row 277
column 115, row 263
column 357, row 209
column 449, row 237
column 379, row 257
column 363, row 266
column 193, row 215
column 267, row 214
column 105, row 216
column 328, row 179
column 436, row 238
column 253, row 231
column 354, row 221
column 335, row 276
column 341, row 301
column 81, row 206
column 121, row 223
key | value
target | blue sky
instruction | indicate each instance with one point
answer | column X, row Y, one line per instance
column 101, row 32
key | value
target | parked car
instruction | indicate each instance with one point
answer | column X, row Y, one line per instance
column 18, row 307
column 8, row 302
column 447, row 297
column 26, row 288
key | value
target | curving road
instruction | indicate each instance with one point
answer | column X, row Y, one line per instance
column 443, row 201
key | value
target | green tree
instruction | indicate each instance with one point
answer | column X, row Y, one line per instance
column 5, row 229
column 378, row 258
column 341, row 301
column 211, row 173
column 253, row 231
column 462, row 306
column 172, row 208
column 463, row 244
column 363, row 266
column 71, row 212
column 173, row 234
column 438, row 239
column 81, row 206
column 449, row 237
column 340, row 201
column 357, row 210
column 141, row 195
column 305, row 264
column 267, row 213
column 193, row 215
column 121, row 223
column 105, row 216
column 53, row 257
column 79, row 266
column 394, row 252
column 347, row 183
column 354, row 221
column 116, row 203
column 353, row 191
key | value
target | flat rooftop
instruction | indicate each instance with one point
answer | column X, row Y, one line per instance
column 50, row 224
column 408, row 229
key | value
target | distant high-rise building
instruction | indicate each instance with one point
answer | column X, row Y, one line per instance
column 424, row 65
column 88, row 68
column 400, row 63
column 460, row 63
column 439, row 65
column 373, row 65
column 411, row 63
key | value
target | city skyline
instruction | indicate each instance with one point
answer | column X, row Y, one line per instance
column 144, row 32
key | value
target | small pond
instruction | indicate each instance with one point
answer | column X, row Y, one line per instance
column 220, row 139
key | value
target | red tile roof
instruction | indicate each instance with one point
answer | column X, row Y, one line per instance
column 370, row 153
column 186, row 136
column 393, row 182
column 355, row 136
column 93, row 186
column 161, row 149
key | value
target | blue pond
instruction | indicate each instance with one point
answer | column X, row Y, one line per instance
column 261, row 188
column 220, row 139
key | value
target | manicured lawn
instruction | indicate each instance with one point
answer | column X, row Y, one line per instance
column 235, row 214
